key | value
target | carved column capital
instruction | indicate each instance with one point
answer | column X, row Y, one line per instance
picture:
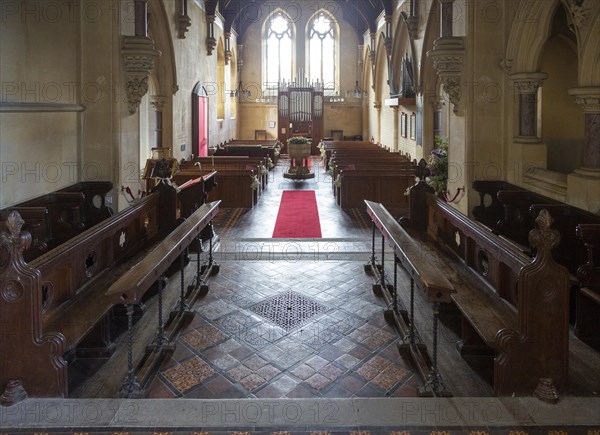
column 139, row 55
column 587, row 98
column 377, row 105
column 506, row 65
column 412, row 24
column 438, row 105
column 528, row 83
column 447, row 55
column 158, row 102
column 579, row 12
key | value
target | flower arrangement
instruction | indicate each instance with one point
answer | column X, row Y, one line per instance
column 437, row 164
column 298, row 140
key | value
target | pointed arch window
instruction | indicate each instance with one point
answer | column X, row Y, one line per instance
column 323, row 50
column 279, row 50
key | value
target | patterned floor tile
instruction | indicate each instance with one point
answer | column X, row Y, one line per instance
column 268, row 372
column 239, row 373
column 347, row 361
column 185, row 375
column 331, row 354
column 254, row 362
column 316, row 362
column 285, row 384
column 368, row 372
column 318, row 381
column 225, row 362
column 203, row 337
column 214, row 310
column 331, row 372
column 303, row 371
column 252, row 381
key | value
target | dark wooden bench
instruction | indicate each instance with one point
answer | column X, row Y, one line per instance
column 428, row 279
column 273, row 146
column 234, row 186
column 56, row 304
column 512, row 307
column 328, row 148
column 587, row 326
column 259, row 165
column 55, row 217
column 61, row 295
column 386, row 187
column 132, row 285
column 510, row 211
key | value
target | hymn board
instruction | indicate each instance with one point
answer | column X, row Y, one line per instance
column 300, row 111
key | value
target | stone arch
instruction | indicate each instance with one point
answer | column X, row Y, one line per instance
column 428, row 79
column 381, row 69
column 166, row 65
column 402, row 44
column 589, row 53
column 530, row 30
column 220, row 79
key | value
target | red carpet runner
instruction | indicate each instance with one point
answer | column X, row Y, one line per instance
column 298, row 216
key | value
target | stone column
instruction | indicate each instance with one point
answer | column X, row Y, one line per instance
column 158, row 103
column 438, row 128
column 589, row 100
column 396, row 128
column 527, row 85
column 141, row 17
column 447, row 17
column 377, row 106
column 583, row 185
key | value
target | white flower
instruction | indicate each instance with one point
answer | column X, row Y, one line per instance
column 255, row 183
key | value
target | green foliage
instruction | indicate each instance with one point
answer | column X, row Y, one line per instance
column 298, row 140
column 437, row 163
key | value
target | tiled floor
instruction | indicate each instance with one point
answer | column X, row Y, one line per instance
column 295, row 327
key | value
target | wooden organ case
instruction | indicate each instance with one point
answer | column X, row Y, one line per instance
column 300, row 111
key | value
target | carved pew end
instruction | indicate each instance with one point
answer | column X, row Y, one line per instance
column 546, row 391
column 13, row 393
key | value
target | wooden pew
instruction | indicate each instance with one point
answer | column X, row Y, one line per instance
column 242, row 163
column 248, row 149
column 329, row 147
column 55, row 217
column 131, row 287
column 59, row 299
column 511, row 306
column 490, row 210
column 55, row 306
column 436, row 287
column 94, row 193
column 514, row 212
column 234, row 186
column 386, row 186
column 587, row 326
column 273, row 146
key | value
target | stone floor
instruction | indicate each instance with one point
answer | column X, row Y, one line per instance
column 301, row 322
column 294, row 326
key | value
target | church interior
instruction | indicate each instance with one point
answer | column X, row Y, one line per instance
column 343, row 216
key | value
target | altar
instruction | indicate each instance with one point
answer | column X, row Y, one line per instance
column 299, row 150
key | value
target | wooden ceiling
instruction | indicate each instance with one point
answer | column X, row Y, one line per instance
column 360, row 14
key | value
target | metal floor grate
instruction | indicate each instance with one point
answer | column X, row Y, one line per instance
column 289, row 310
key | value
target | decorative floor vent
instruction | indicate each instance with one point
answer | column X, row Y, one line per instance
column 289, row 310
